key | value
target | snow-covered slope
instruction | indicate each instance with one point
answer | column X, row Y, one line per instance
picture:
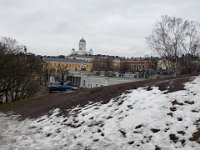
column 141, row 119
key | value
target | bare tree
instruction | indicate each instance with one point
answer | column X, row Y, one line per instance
column 123, row 66
column 101, row 63
column 62, row 74
column 107, row 63
column 173, row 37
column 19, row 75
column 96, row 64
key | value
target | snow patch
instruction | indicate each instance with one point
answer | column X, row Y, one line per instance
column 140, row 119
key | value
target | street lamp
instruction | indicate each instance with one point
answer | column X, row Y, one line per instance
column 25, row 51
column 175, row 51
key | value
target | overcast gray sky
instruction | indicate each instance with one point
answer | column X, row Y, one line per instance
column 111, row 27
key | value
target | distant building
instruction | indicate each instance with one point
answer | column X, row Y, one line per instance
column 82, row 49
column 86, row 58
column 55, row 63
column 92, row 81
column 164, row 64
column 140, row 64
column 116, row 64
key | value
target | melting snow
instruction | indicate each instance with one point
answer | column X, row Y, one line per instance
column 141, row 119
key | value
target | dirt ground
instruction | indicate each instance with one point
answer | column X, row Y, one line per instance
column 42, row 105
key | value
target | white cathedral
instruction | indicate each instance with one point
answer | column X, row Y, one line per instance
column 82, row 49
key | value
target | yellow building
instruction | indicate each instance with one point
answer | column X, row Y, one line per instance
column 56, row 64
column 116, row 64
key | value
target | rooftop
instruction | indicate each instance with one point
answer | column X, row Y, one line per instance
column 82, row 40
column 63, row 60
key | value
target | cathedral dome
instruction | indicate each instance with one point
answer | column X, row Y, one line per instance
column 82, row 40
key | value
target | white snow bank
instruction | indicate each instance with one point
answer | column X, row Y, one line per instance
column 139, row 120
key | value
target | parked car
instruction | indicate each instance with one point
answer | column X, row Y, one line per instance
column 61, row 88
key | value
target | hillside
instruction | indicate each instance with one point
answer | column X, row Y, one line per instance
column 64, row 101
column 151, row 114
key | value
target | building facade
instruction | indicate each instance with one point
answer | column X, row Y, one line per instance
column 91, row 81
column 55, row 63
column 140, row 65
column 86, row 58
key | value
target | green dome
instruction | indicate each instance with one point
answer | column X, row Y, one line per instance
column 82, row 40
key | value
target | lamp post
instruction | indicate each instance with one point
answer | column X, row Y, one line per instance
column 175, row 51
column 25, row 51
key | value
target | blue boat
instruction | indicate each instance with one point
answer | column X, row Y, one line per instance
column 61, row 88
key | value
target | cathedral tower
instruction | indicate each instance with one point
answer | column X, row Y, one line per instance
column 82, row 45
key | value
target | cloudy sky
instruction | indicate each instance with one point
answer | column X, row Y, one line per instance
column 111, row 27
